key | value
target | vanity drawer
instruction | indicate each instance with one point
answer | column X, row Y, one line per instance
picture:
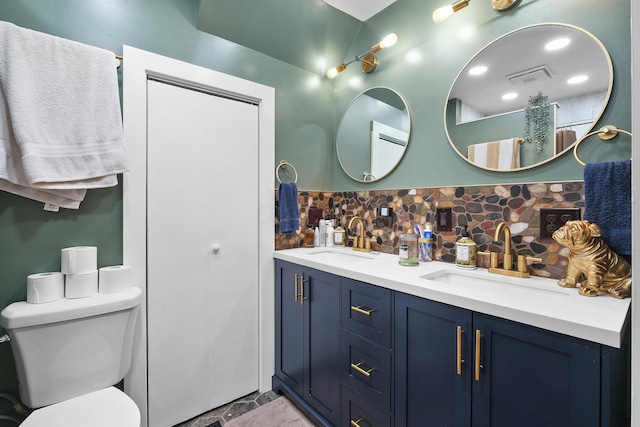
column 366, row 368
column 357, row 411
column 366, row 310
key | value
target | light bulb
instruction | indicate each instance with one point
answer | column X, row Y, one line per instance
column 442, row 13
column 389, row 41
column 332, row 73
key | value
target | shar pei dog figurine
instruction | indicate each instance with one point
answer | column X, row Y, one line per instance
column 603, row 269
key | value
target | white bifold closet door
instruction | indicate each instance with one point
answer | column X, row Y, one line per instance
column 202, row 290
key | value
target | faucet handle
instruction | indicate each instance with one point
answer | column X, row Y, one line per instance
column 494, row 261
column 522, row 262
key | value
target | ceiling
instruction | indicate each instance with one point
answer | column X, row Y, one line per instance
column 360, row 9
column 310, row 34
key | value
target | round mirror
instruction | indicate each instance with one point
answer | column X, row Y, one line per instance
column 373, row 134
column 528, row 96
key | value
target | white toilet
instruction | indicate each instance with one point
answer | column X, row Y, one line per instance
column 69, row 353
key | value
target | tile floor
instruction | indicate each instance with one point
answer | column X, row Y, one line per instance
column 219, row 416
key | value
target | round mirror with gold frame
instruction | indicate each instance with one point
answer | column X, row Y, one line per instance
column 373, row 134
column 528, row 96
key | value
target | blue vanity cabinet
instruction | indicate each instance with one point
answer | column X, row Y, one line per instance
column 526, row 376
column 307, row 317
column 366, row 355
column 432, row 382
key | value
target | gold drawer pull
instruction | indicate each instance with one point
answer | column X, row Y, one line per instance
column 459, row 360
column 295, row 288
column 478, row 365
column 302, row 282
column 362, row 371
column 361, row 310
column 356, row 423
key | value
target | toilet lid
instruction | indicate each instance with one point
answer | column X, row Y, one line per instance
column 104, row 408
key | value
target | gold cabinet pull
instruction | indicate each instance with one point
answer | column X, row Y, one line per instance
column 356, row 423
column 360, row 309
column 459, row 360
column 302, row 282
column 362, row 371
column 295, row 289
column 478, row 365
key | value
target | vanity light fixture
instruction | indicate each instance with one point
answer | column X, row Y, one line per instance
column 368, row 59
column 444, row 12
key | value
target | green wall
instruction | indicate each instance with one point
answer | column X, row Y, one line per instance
column 444, row 50
column 308, row 107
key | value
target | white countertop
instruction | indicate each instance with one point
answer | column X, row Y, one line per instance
column 534, row 301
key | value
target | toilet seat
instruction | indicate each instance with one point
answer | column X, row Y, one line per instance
column 104, row 408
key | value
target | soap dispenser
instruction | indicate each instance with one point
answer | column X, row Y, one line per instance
column 466, row 251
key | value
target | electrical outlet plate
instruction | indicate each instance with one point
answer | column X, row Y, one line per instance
column 553, row 218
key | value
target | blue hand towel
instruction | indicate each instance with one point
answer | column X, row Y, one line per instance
column 288, row 202
column 607, row 196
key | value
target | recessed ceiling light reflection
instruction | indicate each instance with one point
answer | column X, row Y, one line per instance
column 510, row 95
column 577, row 79
column 557, row 43
column 477, row 70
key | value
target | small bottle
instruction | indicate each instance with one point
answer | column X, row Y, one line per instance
column 339, row 236
column 316, row 238
column 330, row 232
column 323, row 232
column 309, row 237
column 466, row 251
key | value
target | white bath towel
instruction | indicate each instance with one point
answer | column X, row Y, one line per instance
column 63, row 113
column 501, row 155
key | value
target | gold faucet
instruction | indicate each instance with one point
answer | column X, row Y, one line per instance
column 360, row 243
column 507, row 266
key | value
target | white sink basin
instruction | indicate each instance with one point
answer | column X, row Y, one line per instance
column 479, row 278
column 341, row 253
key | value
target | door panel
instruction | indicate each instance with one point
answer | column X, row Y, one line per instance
column 531, row 377
column 432, row 394
column 202, row 304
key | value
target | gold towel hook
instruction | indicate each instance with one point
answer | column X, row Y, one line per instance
column 283, row 164
column 605, row 133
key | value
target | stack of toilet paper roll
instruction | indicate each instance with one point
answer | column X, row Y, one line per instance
column 79, row 277
column 79, row 264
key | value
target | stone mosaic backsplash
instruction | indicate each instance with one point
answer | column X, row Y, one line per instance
column 480, row 208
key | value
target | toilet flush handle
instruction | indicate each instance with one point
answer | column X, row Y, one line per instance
column 5, row 338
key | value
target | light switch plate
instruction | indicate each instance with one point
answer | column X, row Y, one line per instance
column 444, row 221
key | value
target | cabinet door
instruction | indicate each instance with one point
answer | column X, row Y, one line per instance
column 432, row 364
column 322, row 343
column 532, row 377
column 289, row 326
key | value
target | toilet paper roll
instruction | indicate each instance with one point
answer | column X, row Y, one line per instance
column 114, row 279
column 81, row 285
column 79, row 259
column 45, row 287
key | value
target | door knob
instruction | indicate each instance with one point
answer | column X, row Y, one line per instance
column 216, row 248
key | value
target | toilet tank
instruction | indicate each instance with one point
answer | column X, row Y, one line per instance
column 66, row 348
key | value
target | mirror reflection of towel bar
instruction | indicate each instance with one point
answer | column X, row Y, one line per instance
column 605, row 133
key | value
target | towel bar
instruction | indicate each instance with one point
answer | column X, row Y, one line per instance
column 283, row 164
column 605, row 133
